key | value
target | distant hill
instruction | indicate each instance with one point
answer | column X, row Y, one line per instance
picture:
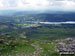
column 23, row 16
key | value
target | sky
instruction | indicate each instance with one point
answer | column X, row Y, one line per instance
column 64, row 5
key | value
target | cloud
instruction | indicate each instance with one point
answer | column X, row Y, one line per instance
column 38, row 4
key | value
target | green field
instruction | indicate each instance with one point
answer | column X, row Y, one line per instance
column 48, row 33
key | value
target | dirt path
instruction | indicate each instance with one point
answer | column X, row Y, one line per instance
column 37, row 52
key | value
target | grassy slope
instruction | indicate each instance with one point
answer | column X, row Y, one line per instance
column 23, row 46
column 13, row 46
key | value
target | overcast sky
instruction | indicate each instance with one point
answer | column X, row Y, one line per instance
column 67, row 5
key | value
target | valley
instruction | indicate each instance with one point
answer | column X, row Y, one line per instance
column 34, row 39
column 35, row 35
column 37, row 27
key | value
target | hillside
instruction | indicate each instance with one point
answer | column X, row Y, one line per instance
column 12, row 46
